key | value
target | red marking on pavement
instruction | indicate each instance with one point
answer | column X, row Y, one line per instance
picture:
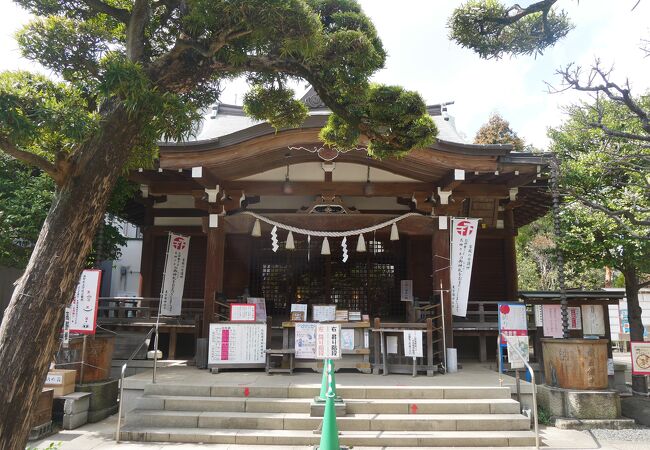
column 414, row 408
column 247, row 392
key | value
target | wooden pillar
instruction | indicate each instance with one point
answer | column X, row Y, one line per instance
column 510, row 256
column 441, row 280
column 214, row 258
column 146, row 260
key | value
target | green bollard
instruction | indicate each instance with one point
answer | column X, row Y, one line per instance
column 329, row 438
column 323, row 386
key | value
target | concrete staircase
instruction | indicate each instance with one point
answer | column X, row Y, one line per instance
column 381, row 416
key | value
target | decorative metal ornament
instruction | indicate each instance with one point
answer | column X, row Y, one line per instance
column 394, row 234
column 257, row 229
column 290, row 245
column 325, row 249
column 361, row 244
column 344, row 246
column 274, row 239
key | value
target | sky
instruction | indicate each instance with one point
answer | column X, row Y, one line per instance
column 421, row 58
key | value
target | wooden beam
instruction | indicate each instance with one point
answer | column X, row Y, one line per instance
column 204, row 177
column 214, row 259
column 452, row 180
column 337, row 188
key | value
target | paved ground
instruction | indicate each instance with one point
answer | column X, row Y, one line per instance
column 100, row 436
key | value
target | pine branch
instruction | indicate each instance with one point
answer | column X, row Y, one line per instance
column 32, row 160
column 118, row 13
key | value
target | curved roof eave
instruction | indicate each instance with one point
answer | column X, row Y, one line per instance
column 318, row 121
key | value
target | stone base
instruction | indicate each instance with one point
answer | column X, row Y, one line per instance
column 589, row 424
column 576, row 404
column 71, row 410
column 41, row 431
column 104, row 394
column 317, row 409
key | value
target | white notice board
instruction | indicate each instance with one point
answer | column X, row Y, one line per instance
column 323, row 313
column 328, row 341
column 237, row 343
column 593, row 320
column 413, row 343
column 82, row 312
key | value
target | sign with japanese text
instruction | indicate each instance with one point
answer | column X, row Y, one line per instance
column 640, row 357
column 463, row 238
column 260, row 308
column 522, row 345
column 575, row 318
column 237, row 343
column 324, row 313
column 242, row 312
column 328, row 341
column 552, row 321
column 512, row 320
column 305, row 340
column 81, row 315
column 406, row 291
column 413, row 343
column 171, row 292
column 593, row 320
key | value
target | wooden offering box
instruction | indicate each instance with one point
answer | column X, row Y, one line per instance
column 62, row 380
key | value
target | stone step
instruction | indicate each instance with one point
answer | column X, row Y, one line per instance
column 354, row 406
column 353, row 422
column 349, row 438
column 346, row 392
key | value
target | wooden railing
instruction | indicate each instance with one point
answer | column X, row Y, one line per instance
column 119, row 310
column 483, row 315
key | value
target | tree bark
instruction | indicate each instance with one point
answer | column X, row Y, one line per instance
column 639, row 383
column 29, row 335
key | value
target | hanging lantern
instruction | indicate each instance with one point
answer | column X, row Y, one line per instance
column 361, row 244
column 257, row 229
column 325, row 249
column 394, row 234
column 290, row 245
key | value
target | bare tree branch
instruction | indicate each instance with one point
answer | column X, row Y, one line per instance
column 118, row 13
column 543, row 6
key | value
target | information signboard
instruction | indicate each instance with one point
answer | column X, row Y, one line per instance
column 328, row 341
column 406, row 291
column 305, row 340
column 242, row 312
column 552, row 321
column 413, row 343
column 324, row 313
column 81, row 315
column 593, row 320
column 260, row 308
column 237, row 343
column 640, row 357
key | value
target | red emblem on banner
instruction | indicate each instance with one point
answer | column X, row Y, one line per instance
column 179, row 243
column 505, row 309
column 464, row 228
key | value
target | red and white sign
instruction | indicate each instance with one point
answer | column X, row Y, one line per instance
column 81, row 315
column 512, row 320
column 575, row 318
column 640, row 357
column 171, row 292
column 463, row 240
column 242, row 312
column 328, row 341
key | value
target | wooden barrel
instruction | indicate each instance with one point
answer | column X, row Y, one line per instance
column 575, row 363
column 99, row 354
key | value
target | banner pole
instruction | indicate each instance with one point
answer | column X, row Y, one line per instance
column 83, row 359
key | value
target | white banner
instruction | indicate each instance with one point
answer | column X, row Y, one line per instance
column 81, row 315
column 171, row 292
column 463, row 238
column 328, row 341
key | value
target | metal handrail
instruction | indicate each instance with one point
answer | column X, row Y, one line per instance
column 532, row 381
column 147, row 340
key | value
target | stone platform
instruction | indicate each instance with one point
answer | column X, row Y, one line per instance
column 463, row 409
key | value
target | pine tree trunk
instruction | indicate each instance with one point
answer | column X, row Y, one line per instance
column 29, row 335
column 639, row 383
